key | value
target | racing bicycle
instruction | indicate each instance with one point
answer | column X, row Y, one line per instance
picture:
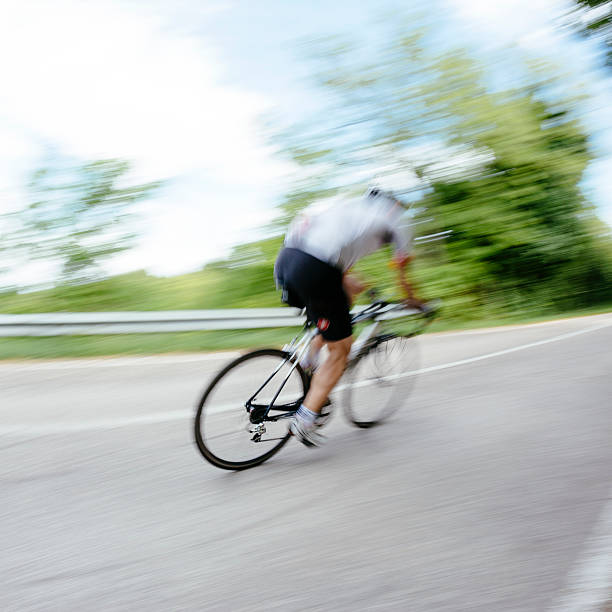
column 244, row 414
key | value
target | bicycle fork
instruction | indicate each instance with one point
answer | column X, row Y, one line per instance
column 363, row 339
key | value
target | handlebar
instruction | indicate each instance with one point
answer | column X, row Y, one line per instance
column 428, row 311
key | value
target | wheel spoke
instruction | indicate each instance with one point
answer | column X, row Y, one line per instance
column 379, row 382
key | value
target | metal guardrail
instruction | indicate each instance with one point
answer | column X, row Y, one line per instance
column 103, row 323
column 97, row 323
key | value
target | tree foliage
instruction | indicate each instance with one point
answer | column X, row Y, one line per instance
column 593, row 18
column 77, row 217
column 497, row 167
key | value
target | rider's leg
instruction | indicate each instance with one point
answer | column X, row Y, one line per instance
column 328, row 374
column 352, row 288
column 311, row 359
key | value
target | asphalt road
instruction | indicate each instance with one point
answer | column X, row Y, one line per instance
column 490, row 490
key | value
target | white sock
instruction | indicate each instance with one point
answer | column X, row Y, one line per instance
column 307, row 416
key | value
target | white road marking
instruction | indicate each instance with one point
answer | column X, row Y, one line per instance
column 453, row 364
column 164, row 417
column 115, row 362
column 589, row 583
column 72, row 427
column 517, row 326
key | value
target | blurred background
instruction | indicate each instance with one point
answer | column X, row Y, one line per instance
column 153, row 153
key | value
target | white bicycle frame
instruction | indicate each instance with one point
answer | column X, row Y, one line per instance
column 297, row 348
column 300, row 344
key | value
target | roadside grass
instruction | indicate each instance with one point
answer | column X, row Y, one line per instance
column 209, row 341
column 140, row 344
column 518, row 318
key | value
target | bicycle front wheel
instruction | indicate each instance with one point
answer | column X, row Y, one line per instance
column 378, row 383
column 228, row 432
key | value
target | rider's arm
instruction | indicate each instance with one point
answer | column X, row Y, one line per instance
column 353, row 286
column 402, row 236
column 400, row 262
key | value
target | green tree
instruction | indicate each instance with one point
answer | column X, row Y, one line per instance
column 593, row 18
column 500, row 168
column 77, row 217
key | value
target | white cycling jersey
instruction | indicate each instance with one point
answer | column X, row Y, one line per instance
column 345, row 231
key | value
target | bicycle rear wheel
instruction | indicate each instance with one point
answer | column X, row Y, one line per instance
column 378, row 383
column 227, row 434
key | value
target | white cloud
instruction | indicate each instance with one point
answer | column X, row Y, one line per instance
column 103, row 80
column 118, row 80
column 16, row 156
column 179, row 240
column 505, row 22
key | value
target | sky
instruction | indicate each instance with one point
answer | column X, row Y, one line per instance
column 180, row 88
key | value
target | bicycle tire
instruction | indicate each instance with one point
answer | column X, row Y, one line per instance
column 235, row 379
column 378, row 382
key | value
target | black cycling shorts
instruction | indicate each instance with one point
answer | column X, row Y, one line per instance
column 315, row 285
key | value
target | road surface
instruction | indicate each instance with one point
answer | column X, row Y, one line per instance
column 489, row 491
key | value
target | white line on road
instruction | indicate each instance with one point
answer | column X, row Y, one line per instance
column 163, row 417
column 72, row 427
column 116, row 362
column 518, row 326
column 521, row 347
column 589, row 584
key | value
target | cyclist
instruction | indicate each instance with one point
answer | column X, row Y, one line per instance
column 312, row 269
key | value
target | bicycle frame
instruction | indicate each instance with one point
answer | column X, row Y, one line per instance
column 297, row 348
